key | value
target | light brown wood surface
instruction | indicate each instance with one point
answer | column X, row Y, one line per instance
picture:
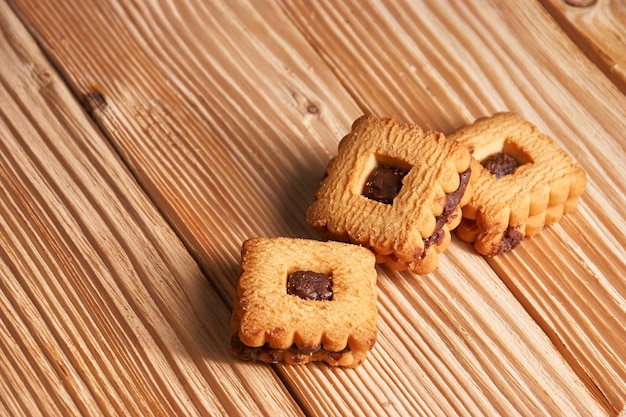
column 599, row 31
column 143, row 141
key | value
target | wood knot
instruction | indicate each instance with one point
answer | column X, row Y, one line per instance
column 94, row 100
column 312, row 109
column 581, row 3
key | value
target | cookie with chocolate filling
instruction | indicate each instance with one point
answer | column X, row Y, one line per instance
column 523, row 182
column 395, row 189
column 300, row 301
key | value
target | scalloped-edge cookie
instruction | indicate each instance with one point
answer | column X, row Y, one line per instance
column 395, row 189
column 523, row 183
column 301, row 300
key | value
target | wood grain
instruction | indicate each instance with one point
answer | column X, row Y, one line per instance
column 182, row 93
column 103, row 311
column 599, row 30
column 226, row 115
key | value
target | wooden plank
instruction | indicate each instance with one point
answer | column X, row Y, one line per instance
column 599, row 29
column 227, row 116
column 488, row 57
column 190, row 113
column 102, row 309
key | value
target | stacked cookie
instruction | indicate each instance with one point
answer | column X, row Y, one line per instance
column 395, row 189
column 392, row 194
column 524, row 182
column 302, row 300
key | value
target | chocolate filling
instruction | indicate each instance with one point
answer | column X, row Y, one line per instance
column 433, row 240
column 452, row 201
column 500, row 164
column 510, row 240
column 384, row 183
column 273, row 355
column 310, row 285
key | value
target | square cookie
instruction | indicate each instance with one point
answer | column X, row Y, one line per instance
column 302, row 300
column 395, row 189
column 524, row 182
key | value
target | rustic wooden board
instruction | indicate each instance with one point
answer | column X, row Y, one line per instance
column 227, row 114
column 102, row 309
column 599, row 29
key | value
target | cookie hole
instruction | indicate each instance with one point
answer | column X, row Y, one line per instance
column 506, row 160
column 310, row 285
column 384, row 179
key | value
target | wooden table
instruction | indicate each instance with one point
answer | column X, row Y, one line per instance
column 141, row 142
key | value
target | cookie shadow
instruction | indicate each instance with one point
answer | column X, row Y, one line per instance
column 297, row 194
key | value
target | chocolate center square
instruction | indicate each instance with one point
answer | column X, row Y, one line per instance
column 384, row 183
column 310, row 285
column 500, row 164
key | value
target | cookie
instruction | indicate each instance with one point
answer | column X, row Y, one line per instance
column 395, row 189
column 523, row 183
column 301, row 300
